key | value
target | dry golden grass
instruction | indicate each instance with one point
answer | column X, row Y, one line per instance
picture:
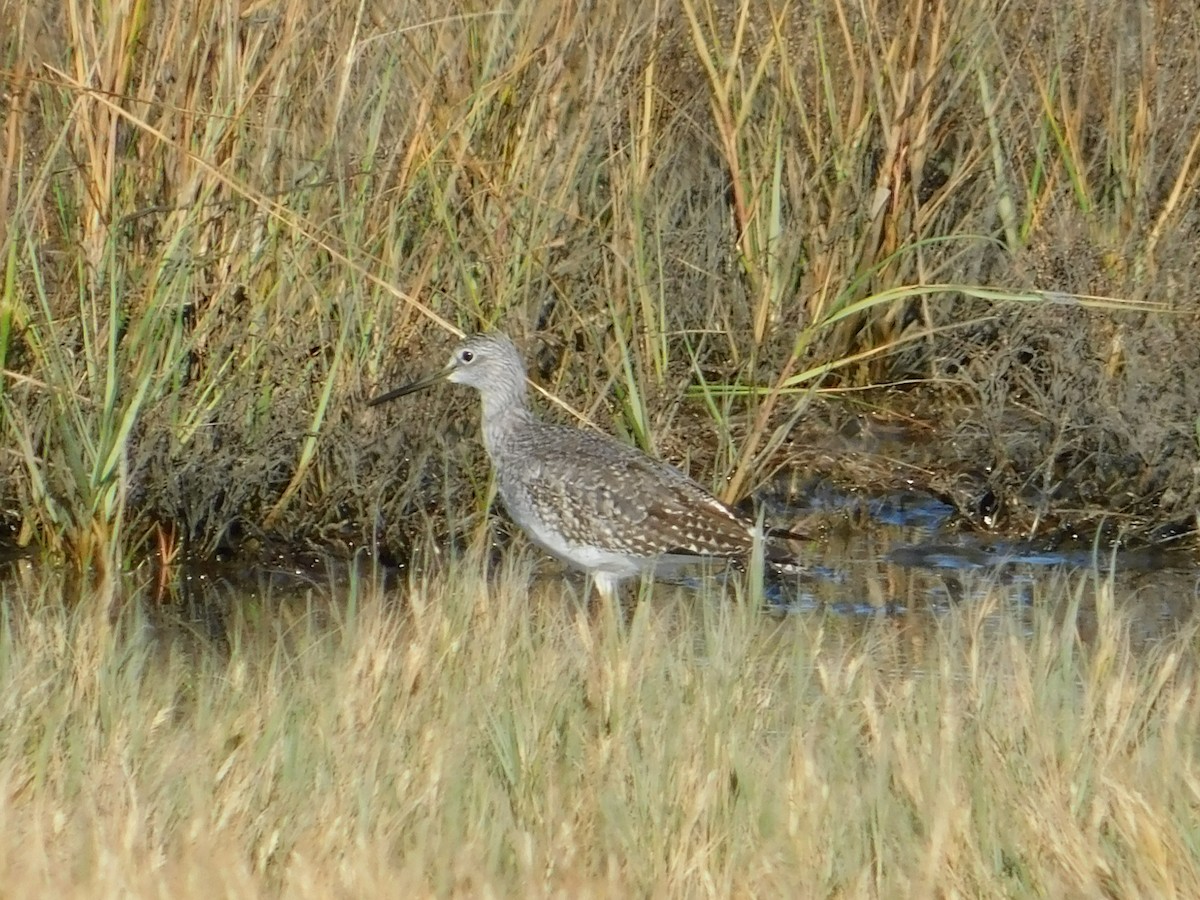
column 465, row 738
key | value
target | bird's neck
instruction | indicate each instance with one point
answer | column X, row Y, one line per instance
column 504, row 412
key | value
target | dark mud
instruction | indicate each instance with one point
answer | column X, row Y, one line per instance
column 903, row 556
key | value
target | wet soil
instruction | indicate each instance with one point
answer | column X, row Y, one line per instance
column 903, row 555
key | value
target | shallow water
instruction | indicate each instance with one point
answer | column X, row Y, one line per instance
column 899, row 556
column 908, row 553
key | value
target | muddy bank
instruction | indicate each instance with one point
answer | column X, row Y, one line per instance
column 1055, row 424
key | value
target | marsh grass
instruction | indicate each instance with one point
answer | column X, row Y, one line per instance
column 467, row 737
column 222, row 228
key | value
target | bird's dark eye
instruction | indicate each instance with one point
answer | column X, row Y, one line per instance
column 466, row 356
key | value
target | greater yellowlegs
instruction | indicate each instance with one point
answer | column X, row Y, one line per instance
column 593, row 502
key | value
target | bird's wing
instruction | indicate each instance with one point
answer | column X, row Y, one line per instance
column 643, row 506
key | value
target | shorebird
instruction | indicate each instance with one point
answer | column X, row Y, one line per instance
column 591, row 501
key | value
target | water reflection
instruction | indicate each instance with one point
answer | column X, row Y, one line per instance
column 905, row 557
column 907, row 553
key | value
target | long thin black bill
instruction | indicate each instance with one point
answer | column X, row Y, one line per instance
column 407, row 389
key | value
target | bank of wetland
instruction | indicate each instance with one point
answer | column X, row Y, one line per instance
column 917, row 277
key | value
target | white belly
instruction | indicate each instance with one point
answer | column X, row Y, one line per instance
column 589, row 559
